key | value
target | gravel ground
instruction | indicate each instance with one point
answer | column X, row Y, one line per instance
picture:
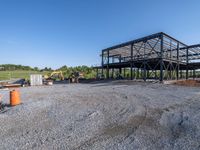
column 113, row 115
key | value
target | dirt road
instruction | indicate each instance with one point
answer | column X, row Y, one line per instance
column 113, row 115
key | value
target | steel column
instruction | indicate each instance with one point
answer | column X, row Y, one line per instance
column 161, row 59
column 138, row 76
column 177, row 68
column 97, row 73
column 124, row 72
column 144, row 63
column 102, row 63
column 187, row 64
column 144, row 72
column 131, row 61
column 193, row 73
column 107, row 70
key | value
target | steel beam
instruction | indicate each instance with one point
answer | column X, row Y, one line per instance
column 135, row 41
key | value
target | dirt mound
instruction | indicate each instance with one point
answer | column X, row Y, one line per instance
column 188, row 82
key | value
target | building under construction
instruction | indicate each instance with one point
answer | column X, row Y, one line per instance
column 158, row 57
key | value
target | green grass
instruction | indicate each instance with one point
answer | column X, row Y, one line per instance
column 7, row 75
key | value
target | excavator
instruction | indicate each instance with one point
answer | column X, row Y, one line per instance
column 73, row 77
column 55, row 75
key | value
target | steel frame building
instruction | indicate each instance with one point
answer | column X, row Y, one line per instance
column 158, row 56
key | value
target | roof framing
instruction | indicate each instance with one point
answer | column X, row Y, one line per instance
column 150, row 46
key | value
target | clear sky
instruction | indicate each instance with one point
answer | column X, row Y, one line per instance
column 53, row 33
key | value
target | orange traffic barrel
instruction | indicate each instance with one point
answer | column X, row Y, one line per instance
column 14, row 98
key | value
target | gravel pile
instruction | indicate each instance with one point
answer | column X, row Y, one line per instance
column 113, row 115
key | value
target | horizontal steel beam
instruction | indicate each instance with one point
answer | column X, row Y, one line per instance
column 173, row 38
column 135, row 41
column 191, row 46
column 197, row 54
column 157, row 35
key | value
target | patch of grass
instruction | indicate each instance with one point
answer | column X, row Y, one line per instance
column 7, row 75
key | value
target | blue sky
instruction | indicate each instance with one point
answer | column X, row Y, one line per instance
column 53, row 33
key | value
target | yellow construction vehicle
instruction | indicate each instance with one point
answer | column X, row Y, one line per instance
column 55, row 75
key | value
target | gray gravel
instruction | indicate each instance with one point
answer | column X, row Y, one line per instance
column 115, row 115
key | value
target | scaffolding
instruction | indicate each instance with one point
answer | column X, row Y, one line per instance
column 158, row 57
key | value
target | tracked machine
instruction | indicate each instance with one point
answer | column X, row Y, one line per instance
column 55, row 75
column 75, row 76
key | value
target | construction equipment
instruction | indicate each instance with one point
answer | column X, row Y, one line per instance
column 55, row 75
column 1, row 105
column 75, row 76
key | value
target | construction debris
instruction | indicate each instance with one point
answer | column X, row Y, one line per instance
column 11, row 85
column 189, row 82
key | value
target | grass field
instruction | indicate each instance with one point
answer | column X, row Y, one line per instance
column 7, row 75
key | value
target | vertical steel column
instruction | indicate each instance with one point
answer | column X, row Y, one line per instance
column 193, row 74
column 131, row 61
column 161, row 58
column 187, row 61
column 147, row 74
column 112, row 76
column 144, row 72
column 120, row 69
column 181, row 74
column 131, row 70
column 97, row 71
column 124, row 72
column 170, row 70
column 138, row 72
column 156, row 76
column 177, row 68
column 144, row 63
column 170, row 66
column 107, row 71
column 102, row 63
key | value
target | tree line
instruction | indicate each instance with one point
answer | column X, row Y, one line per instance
column 13, row 67
column 88, row 72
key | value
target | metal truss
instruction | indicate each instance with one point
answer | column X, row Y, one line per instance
column 158, row 56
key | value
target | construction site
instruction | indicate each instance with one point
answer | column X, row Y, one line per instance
column 145, row 96
column 154, row 57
